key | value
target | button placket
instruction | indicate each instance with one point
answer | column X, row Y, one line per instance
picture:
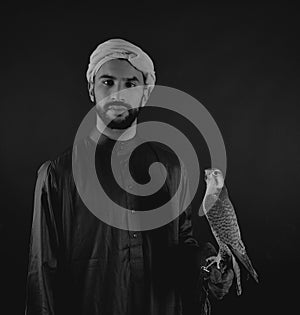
column 134, row 236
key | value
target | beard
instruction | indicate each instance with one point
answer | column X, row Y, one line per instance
column 122, row 120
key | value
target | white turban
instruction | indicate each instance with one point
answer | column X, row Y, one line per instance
column 120, row 48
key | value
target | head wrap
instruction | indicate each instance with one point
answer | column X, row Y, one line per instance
column 120, row 48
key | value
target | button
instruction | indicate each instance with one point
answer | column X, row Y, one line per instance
column 134, row 235
column 132, row 211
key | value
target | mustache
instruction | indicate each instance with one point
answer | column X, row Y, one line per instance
column 117, row 103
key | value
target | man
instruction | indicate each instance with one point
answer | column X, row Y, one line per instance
column 79, row 264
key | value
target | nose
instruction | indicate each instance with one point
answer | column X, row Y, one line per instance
column 117, row 94
column 117, row 97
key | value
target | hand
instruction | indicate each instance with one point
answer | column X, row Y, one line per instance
column 219, row 281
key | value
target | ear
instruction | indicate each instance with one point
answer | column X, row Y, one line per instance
column 91, row 91
column 146, row 94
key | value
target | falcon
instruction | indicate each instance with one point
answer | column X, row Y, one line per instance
column 222, row 219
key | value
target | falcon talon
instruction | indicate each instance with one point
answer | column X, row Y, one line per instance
column 204, row 268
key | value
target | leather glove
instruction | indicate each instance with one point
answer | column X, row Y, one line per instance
column 220, row 280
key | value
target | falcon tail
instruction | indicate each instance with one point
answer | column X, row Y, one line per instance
column 245, row 260
column 237, row 273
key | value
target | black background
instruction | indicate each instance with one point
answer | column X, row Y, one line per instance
column 241, row 62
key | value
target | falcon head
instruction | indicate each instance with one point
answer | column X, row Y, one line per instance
column 214, row 179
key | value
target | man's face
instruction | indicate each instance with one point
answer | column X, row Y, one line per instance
column 118, row 92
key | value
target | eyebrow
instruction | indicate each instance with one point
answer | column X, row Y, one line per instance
column 106, row 76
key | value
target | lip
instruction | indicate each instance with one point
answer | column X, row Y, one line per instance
column 117, row 104
column 117, row 107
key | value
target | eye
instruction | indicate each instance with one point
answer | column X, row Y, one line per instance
column 216, row 173
column 130, row 84
column 108, row 82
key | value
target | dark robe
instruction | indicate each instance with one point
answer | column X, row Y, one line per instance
column 80, row 265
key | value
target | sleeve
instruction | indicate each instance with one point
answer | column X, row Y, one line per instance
column 185, row 218
column 43, row 246
column 192, row 255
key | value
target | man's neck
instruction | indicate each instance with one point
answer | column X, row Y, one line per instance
column 116, row 134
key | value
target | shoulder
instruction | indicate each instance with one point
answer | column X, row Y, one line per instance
column 174, row 165
column 165, row 154
column 43, row 169
column 58, row 166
